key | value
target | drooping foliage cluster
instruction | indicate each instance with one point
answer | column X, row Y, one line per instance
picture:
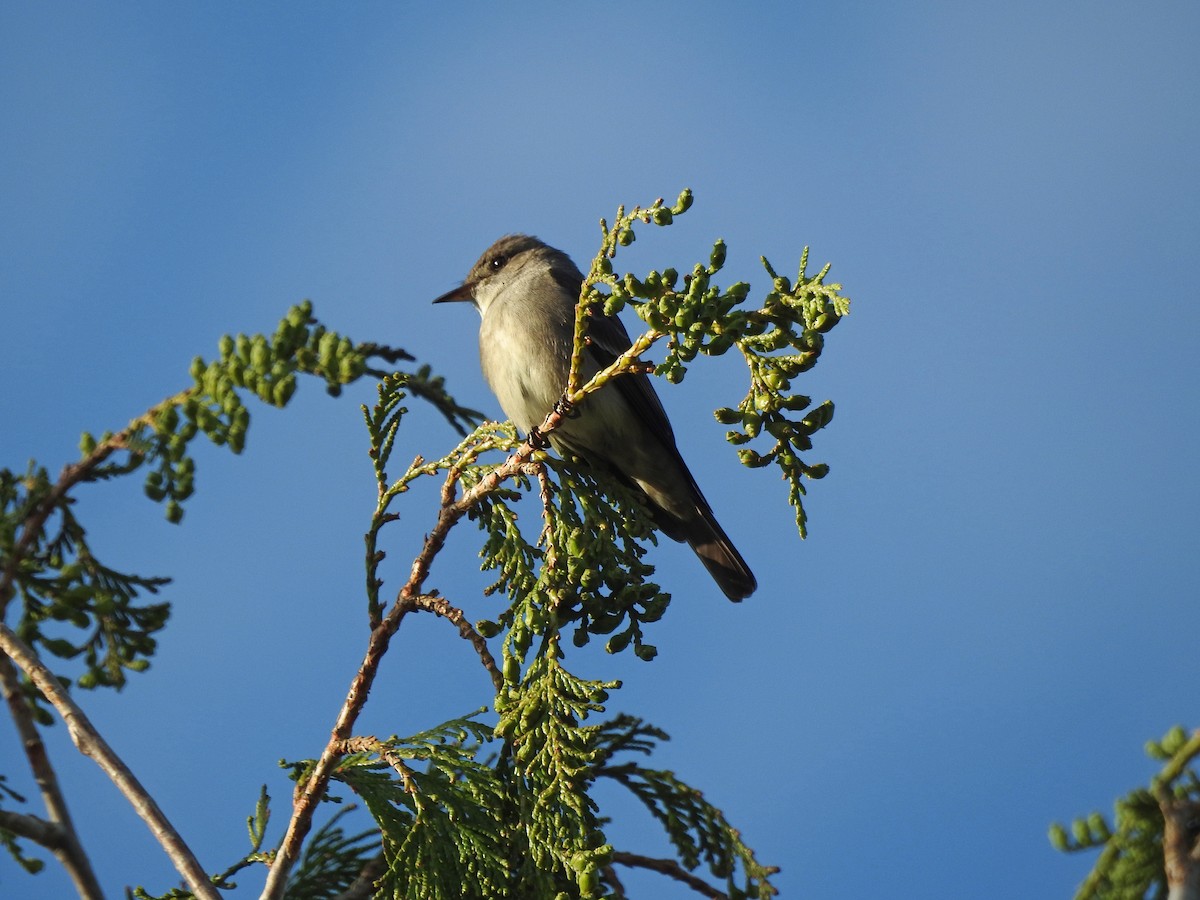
column 780, row 339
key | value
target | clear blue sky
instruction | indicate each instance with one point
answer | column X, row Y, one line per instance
column 997, row 604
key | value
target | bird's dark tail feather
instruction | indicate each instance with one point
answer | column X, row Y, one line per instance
column 721, row 558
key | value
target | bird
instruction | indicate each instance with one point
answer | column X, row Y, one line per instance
column 526, row 293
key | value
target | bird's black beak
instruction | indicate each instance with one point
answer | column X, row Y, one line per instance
column 464, row 291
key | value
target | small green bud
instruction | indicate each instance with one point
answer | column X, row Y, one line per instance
column 1174, row 740
column 727, row 416
column 750, row 458
column 589, row 882
column 196, row 370
column 1058, row 838
column 168, row 419
column 260, row 354
column 646, row 652
column 619, row 642
column 87, row 443
column 283, row 391
column 662, row 216
column 488, row 628
column 826, row 321
column 174, row 512
column 1098, row 827
column 61, row 648
column 1081, row 832
column 779, row 428
column 626, row 237
column 717, row 258
column 684, row 203
column 327, row 347
column 349, row 368
column 653, row 609
column 226, row 346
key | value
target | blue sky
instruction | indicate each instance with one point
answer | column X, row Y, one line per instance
column 996, row 605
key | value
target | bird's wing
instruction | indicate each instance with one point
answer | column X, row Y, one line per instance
column 609, row 339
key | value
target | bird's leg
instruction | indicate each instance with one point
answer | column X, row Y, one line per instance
column 566, row 408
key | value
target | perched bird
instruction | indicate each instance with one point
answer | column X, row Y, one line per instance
column 526, row 293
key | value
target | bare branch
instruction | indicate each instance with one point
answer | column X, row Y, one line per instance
column 1181, row 848
column 440, row 606
column 66, row 845
column 1181, row 825
column 90, row 743
column 41, row 832
column 671, row 869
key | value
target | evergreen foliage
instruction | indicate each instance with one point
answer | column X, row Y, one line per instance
column 1131, row 865
column 467, row 808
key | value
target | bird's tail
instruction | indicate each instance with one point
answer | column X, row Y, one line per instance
column 720, row 557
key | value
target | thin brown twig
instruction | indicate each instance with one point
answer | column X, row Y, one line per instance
column 90, row 743
column 440, row 606
column 546, row 495
column 369, row 744
column 671, row 869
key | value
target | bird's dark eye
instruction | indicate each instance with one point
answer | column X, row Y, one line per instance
column 497, row 262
